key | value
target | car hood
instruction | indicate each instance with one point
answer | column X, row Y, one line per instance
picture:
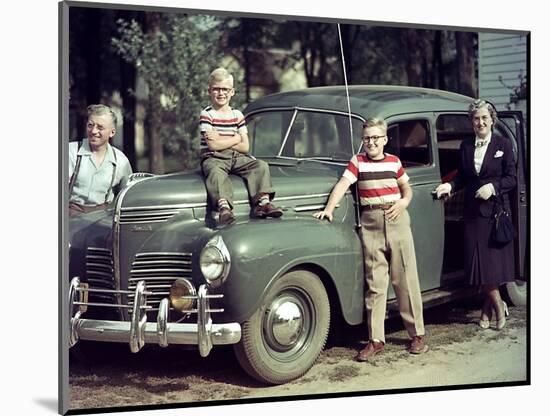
column 292, row 178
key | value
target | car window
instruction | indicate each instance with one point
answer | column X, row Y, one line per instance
column 409, row 141
column 321, row 135
column 267, row 130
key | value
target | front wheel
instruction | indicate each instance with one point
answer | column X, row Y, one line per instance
column 284, row 337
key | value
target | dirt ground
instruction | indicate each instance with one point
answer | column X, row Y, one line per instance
column 460, row 353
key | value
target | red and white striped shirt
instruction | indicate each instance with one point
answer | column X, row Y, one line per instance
column 378, row 180
column 225, row 123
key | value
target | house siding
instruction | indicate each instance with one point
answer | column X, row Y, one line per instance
column 502, row 63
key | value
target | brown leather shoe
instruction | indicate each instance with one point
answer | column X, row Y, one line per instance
column 418, row 346
column 372, row 348
column 267, row 210
column 226, row 216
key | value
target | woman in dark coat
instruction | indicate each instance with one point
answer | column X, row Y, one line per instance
column 487, row 172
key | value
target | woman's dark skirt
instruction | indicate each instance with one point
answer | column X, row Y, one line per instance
column 486, row 263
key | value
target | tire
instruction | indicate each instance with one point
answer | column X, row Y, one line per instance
column 277, row 354
column 515, row 292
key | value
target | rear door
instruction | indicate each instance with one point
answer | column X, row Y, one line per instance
column 513, row 124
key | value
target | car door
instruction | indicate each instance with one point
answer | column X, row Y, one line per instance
column 410, row 137
column 514, row 127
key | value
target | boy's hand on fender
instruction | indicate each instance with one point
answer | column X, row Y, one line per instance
column 323, row 214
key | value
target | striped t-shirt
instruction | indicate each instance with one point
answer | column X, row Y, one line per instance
column 227, row 123
column 379, row 180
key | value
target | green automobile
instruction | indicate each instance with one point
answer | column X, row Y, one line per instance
column 156, row 268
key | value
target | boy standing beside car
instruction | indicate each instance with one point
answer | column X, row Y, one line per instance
column 224, row 151
column 384, row 194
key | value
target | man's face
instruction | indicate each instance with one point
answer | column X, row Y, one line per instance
column 221, row 93
column 374, row 140
column 99, row 130
column 482, row 122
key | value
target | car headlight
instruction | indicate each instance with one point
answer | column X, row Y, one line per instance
column 215, row 261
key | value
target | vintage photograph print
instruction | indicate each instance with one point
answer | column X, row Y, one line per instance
column 262, row 208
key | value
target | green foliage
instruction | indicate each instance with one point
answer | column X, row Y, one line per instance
column 174, row 57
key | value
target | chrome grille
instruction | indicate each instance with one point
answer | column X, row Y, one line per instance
column 100, row 273
column 147, row 215
column 158, row 271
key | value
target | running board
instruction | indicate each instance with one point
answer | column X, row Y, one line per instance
column 436, row 297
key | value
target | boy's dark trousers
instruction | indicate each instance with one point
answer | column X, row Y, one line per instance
column 217, row 166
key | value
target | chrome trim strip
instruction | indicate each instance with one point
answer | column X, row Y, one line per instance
column 152, row 278
column 149, row 262
column 100, row 249
column 304, row 208
column 292, row 198
column 163, row 270
column 110, row 305
column 135, row 213
column 238, row 202
column 163, row 253
column 94, row 290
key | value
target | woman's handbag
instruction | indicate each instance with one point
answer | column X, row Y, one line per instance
column 503, row 228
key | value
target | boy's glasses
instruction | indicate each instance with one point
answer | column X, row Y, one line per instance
column 373, row 139
column 217, row 90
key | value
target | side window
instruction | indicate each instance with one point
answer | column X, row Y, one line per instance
column 409, row 141
column 451, row 129
column 321, row 135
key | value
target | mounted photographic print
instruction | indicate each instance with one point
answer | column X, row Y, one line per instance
column 266, row 208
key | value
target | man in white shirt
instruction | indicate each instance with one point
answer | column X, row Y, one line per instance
column 95, row 167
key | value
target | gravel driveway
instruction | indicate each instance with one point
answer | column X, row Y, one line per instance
column 460, row 354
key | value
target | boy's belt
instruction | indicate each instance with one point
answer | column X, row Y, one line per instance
column 372, row 207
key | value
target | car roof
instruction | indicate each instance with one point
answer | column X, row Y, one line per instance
column 366, row 100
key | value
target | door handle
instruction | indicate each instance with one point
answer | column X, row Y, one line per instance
column 441, row 198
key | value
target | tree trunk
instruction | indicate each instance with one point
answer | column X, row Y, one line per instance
column 246, row 58
column 439, row 73
column 156, row 150
column 414, row 57
column 127, row 85
column 465, row 57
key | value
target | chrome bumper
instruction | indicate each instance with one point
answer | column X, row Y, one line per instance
column 138, row 332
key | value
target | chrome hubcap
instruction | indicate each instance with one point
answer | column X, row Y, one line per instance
column 284, row 324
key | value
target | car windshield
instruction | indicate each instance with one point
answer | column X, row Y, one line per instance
column 302, row 134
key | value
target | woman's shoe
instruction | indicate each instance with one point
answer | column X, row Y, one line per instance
column 501, row 323
column 485, row 318
column 484, row 323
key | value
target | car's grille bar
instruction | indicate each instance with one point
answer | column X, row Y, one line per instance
column 147, row 215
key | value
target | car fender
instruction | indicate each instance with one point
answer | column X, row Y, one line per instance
column 263, row 250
